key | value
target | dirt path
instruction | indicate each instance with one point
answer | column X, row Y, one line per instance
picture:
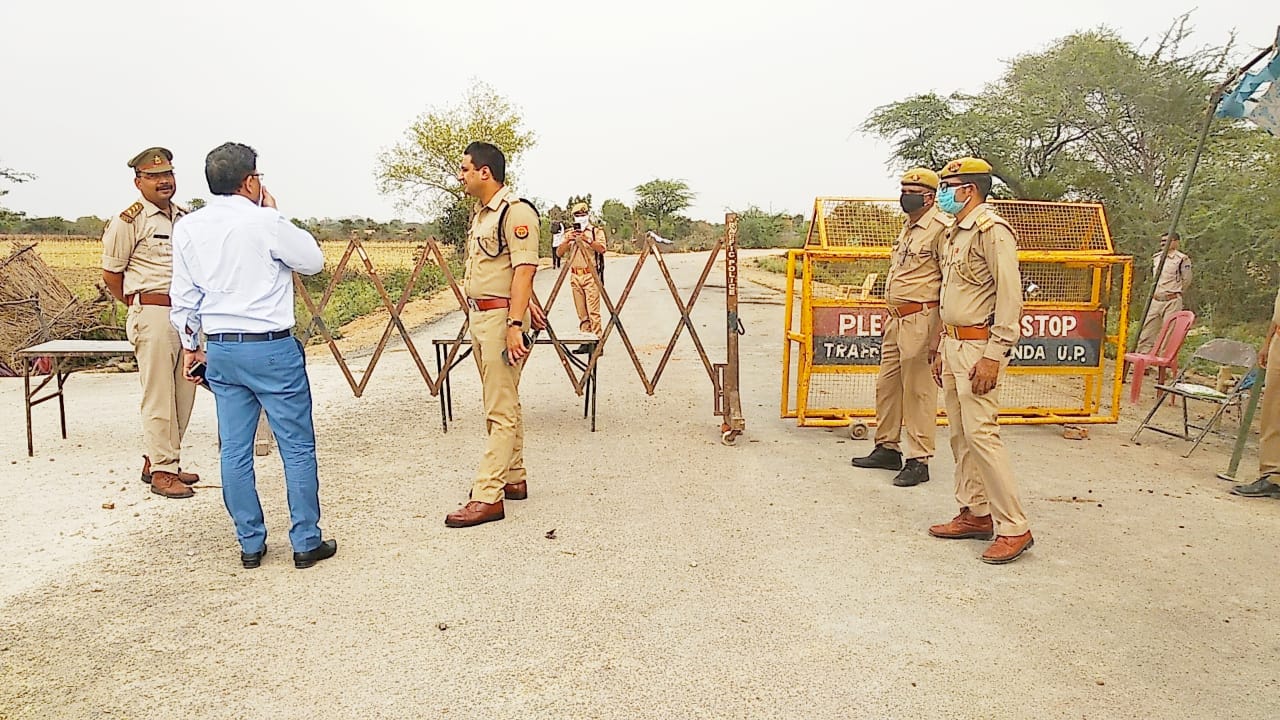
column 686, row 579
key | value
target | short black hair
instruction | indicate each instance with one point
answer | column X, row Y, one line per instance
column 981, row 182
column 485, row 154
column 1173, row 236
column 227, row 166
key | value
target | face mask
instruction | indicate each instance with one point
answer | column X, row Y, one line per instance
column 947, row 201
column 580, row 222
column 911, row 202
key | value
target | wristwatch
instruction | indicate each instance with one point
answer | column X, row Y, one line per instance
column 514, row 323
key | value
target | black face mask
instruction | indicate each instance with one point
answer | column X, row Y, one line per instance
column 911, row 202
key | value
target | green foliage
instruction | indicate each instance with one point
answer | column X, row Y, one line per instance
column 1094, row 118
column 195, row 204
column 658, row 200
column 773, row 264
column 617, row 219
column 421, row 170
column 760, row 229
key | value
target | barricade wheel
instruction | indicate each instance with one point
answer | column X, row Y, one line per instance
column 858, row 431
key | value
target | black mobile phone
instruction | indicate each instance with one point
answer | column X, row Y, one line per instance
column 528, row 343
column 197, row 370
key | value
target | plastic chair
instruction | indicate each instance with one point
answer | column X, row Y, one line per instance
column 1165, row 353
column 1221, row 353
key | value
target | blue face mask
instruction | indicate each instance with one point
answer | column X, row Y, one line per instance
column 947, row 202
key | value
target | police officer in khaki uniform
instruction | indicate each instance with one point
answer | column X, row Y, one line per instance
column 502, row 257
column 904, row 387
column 137, row 265
column 1269, row 444
column 584, row 243
column 981, row 307
column 1174, row 280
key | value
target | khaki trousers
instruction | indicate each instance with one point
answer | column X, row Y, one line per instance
column 905, row 391
column 586, row 297
column 1269, row 445
column 1160, row 312
column 167, row 397
column 503, row 460
column 984, row 480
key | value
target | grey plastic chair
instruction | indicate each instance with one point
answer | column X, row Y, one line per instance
column 1220, row 353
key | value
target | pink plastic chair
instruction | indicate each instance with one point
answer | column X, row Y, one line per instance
column 1165, row 353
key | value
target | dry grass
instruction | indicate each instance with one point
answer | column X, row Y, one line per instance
column 77, row 261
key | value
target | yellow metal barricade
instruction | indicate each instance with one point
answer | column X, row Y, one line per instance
column 1074, row 321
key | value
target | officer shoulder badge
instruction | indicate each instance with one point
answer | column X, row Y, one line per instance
column 131, row 213
column 522, row 231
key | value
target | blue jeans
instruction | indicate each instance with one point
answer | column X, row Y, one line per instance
column 246, row 377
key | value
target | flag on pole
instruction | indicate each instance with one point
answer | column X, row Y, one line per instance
column 1233, row 103
column 1265, row 112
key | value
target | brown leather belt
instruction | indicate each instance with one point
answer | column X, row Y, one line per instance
column 967, row 332
column 1167, row 297
column 488, row 303
column 581, row 270
column 911, row 308
column 159, row 299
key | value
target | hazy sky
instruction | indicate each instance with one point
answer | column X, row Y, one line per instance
column 749, row 102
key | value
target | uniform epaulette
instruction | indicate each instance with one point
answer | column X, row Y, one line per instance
column 132, row 212
column 990, row 220
column 946, row 220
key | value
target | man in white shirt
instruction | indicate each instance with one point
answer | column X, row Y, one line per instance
column 233, row 268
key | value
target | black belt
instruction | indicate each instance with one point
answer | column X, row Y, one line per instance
column 250, row 337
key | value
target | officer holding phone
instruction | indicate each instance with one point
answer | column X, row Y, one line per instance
column 502, row 257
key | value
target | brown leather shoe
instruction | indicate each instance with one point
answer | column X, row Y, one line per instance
column 168, row 485
column 516, row 491
column 1007, row 548
column 963, row 526
column 474, row 513
column 185, row 477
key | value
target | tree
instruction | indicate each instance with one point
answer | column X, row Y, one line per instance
column 1095, row 118
column 658, row 200
column 195, row 204
column 617, row 219
column 421, row 170
column 16, row 177
column 573, row 199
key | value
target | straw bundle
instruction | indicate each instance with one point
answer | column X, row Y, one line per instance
column 36, row 306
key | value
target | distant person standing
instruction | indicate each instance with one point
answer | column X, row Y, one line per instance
column 981, row 306
column 584, row 243
column 905, row 392
column 137, row 267
column 1173, row 282
column 557, row 239
column 1269, row 444
column 233, row 268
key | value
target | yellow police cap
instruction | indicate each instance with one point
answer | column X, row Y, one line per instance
column 923, row 177
column 966, row 166
column 579, row 207
column 152, row 160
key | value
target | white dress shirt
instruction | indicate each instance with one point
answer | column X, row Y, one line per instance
column 233, row 265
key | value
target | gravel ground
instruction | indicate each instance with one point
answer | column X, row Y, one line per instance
column 684, row 578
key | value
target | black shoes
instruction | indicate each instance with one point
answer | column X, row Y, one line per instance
column 327, row 549
column 1262, row 487
column 252, row 560
column 582, row 350
column 913, row 474
column 882, row 458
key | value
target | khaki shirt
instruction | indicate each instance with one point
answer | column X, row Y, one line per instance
column 138, row 243
column 490, row 277
column 981, row 283
column 1177, row 272
column 583, row 256
column 1275, row 311
column 914, row 272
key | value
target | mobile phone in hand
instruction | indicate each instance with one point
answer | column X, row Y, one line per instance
column 528, row 343
column 197, row 370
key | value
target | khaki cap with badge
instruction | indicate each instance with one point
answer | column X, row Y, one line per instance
column 966, row 166
column 152, row 161
column 922, row 177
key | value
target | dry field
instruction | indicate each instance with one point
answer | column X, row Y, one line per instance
column 78, row 260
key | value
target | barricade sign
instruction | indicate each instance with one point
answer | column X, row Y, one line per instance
column 1073, row 326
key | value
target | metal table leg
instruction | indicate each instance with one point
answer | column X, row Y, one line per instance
column 26, row 401
column 62, row 407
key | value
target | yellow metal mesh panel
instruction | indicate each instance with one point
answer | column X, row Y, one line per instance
column 852, row 222
column 836, row 394
column 1056, row 283
column 846, row 278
